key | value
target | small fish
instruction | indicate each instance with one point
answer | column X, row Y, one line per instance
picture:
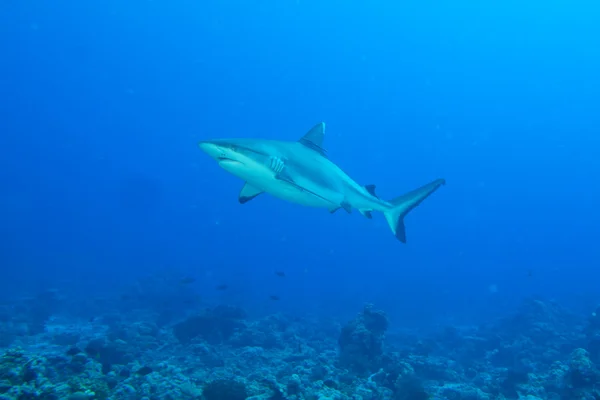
column 280, row 274
column 274, row 298
column 187, row 280
column 530, row 273
column 222, row 287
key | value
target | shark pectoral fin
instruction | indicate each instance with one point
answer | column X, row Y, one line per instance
column 248, row 192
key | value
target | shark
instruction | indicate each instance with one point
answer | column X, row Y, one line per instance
column 301, row 172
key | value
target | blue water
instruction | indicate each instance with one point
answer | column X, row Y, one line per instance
column 102, row 104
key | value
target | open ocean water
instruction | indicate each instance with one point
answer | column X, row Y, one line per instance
column 130, row 270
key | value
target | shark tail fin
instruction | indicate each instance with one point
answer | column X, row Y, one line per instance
column 404, row 204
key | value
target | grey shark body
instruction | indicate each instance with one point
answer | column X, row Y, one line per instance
column 300, row 172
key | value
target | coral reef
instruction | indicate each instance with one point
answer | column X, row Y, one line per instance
column 540, row 352
column 361, row 341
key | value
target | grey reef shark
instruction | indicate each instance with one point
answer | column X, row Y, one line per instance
column 300, row 172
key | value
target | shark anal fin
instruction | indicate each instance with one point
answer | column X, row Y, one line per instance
column 247, row 193
column 371, row 190
column 367, row 213
column 313, row 139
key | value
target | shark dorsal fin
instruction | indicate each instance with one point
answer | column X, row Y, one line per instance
column 371, row 190
column 313, row 139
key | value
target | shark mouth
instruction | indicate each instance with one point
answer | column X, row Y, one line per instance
column 227, row 161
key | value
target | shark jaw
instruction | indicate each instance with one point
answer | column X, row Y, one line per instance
column 228, row 156
column 300, row 172
column 228, row 162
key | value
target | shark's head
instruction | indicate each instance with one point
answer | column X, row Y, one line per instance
column 238, row 156
column 226, row 151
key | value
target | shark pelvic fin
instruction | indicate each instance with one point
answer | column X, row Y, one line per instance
column 248, row 192
column 313, row 139
column 344, row 206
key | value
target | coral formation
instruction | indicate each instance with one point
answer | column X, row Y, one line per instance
column 540, row 352
column 361, row 341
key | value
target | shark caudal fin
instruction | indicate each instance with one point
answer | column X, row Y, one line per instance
column 403, row 204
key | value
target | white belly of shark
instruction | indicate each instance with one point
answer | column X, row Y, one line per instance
column 265, row 180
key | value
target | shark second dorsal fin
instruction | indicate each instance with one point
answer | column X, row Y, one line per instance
column 248, row 192
column 371, row 190
column 313, row 139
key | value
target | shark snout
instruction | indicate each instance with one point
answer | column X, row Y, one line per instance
column 216, row 150
column 210, row 148
column 223, row 152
